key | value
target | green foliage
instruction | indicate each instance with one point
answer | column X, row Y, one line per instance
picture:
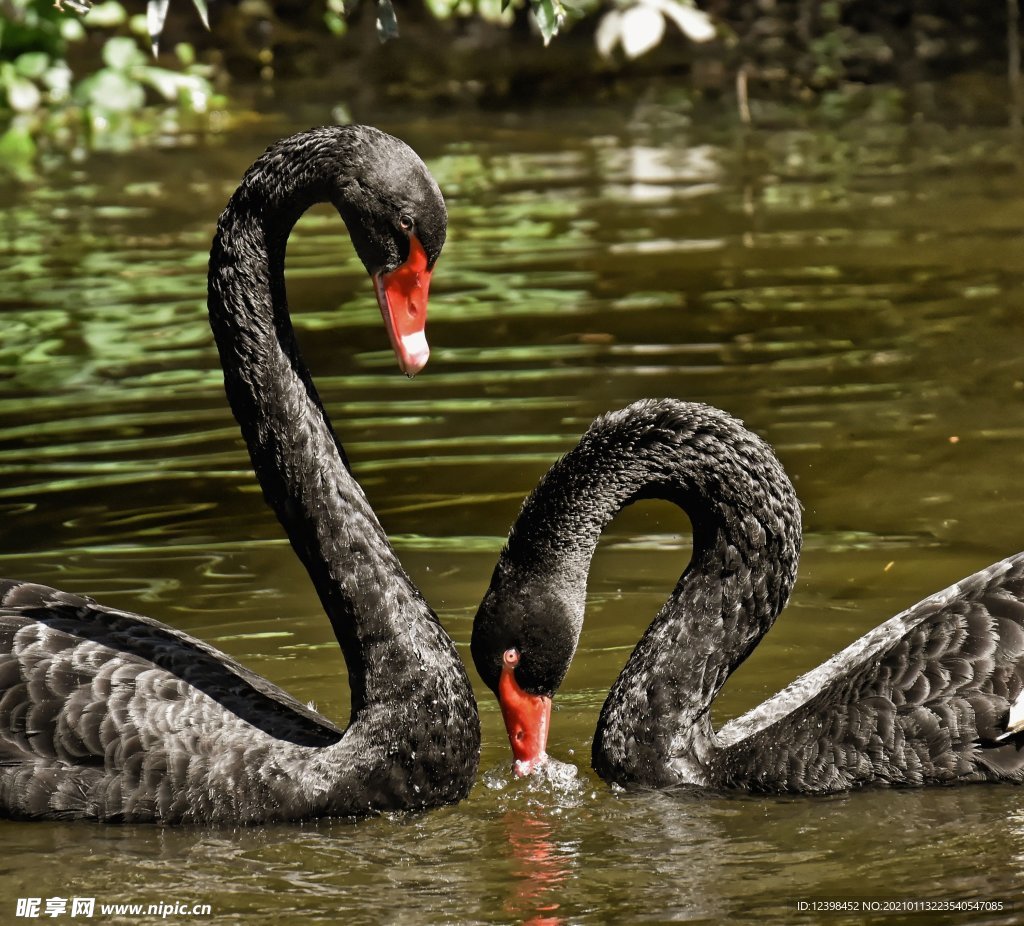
column 41, row 98
column 550, row 14
column 31, row 25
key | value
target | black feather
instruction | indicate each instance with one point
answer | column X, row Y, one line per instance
column 924, row 698
column 112, row 716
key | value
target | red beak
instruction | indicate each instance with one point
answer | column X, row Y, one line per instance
column 402, row 297
column 527, row 718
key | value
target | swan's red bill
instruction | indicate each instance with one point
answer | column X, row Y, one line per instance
column 402, row 297
column 527, row 718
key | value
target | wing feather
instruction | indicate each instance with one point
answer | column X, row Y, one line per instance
column 108, row 714
column 924, row 697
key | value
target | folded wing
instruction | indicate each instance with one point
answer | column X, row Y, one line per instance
column 923, row 698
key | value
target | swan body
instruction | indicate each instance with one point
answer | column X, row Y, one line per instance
column 931, row 696
column 111, row 716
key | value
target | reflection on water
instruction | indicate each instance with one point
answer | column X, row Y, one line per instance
column 853, row 291
column 540, row 869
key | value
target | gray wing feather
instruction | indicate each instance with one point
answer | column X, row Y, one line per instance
column 925, row 697
column 110, row 714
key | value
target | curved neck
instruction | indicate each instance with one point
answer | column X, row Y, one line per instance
column 746, row 543
column 295, row 454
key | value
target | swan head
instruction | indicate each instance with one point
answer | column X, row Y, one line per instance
column 527, row 718
column 397, row 219
column 524, row 638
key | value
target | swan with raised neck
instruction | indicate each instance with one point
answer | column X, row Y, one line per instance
column 111, row 716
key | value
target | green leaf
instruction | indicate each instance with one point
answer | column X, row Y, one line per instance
column 166, row 83
column 156, row 15
column 57, row 80
column 121, row 53
column 204, row 13
column 335, row 23
column 111, row 91
column 17, row 148
column 550, row 15
column 387, row 22
column 32, row 64
column 23, row 96
column 72, row 30
column 189, row 90
column 106, row 15
column 186, row 54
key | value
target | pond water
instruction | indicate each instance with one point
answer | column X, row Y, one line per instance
column 853, row 289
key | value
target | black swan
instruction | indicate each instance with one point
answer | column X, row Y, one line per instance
column 931, row 696
column 110, row 716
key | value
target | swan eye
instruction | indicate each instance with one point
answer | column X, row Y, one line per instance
column 520, row 735
column 405, row 221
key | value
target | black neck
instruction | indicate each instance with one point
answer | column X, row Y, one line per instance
column 746, row 542
column 295, row 453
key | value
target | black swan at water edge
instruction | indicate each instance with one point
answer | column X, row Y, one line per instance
column 932, row 696
column 111, row 716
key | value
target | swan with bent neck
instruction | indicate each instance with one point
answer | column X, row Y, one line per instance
column 110, row 716
column 931, row 696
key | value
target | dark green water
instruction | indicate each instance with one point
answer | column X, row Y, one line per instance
column 854, row 291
